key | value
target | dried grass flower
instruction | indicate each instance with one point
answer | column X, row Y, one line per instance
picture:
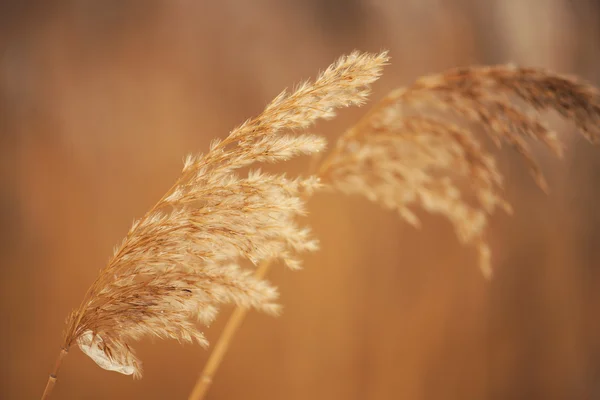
column 181, row 260
column 417, row 146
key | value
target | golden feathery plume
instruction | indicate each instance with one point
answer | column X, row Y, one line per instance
column 182, row 259
column 415, row 146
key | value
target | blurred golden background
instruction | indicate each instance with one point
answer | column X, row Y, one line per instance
column 99, row 102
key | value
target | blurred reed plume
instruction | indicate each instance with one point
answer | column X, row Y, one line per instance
column 184, row 257
column 416, row 147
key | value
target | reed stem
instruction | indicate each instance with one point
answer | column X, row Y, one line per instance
column 216, row 357
column 52, row 378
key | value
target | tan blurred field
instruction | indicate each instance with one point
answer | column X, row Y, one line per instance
column 100, row 101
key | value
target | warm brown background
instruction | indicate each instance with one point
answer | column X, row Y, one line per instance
column 100, row 100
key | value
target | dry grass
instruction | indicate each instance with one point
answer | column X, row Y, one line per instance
column 417, row 147
column 182, row 260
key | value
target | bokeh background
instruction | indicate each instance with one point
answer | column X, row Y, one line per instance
column 99, row 102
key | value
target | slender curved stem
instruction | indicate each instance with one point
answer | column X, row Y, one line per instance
column 52, row 378
column 214, row 360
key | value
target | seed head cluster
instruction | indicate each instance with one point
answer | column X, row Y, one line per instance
column 417, row 146
column 183, row 259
